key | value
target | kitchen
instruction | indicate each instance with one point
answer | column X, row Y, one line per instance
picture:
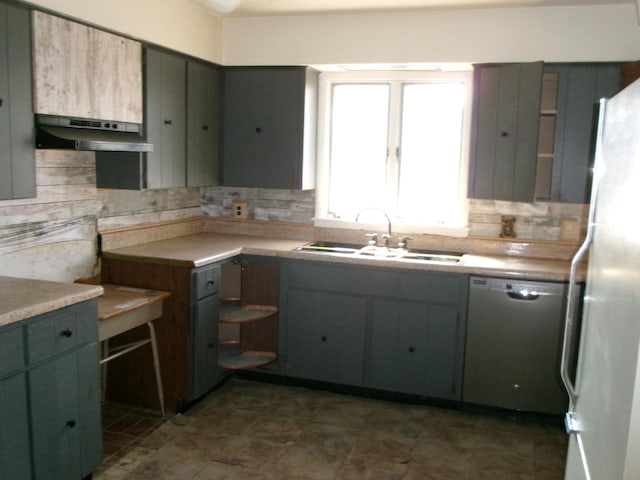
column 42, row 233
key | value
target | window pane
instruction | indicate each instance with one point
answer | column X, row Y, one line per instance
column 431, row 151
column 359, row 132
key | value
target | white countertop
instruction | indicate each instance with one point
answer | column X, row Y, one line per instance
column 203, row 248
column 22, row 298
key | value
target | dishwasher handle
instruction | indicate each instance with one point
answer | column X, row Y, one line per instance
column 523, row 295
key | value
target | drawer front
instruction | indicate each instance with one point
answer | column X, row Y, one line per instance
column 11, row 351
column 61, row 331
column 206, row 281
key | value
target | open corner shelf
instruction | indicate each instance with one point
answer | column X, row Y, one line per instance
column 231, row 357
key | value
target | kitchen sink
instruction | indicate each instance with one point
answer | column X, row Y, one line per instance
column 376, row 252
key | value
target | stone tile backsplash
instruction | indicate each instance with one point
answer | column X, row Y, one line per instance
column 534, row 221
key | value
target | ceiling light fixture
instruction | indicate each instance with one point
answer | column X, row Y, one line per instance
column 222, row 6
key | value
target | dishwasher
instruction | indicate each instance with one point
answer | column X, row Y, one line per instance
column 514, row 345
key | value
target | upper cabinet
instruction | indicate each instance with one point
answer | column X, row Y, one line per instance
column 579, row 87
column 533, row 130
column 84, row 72
column 165, row 119
column 504, row 138
column 17, row 154
column 203, row 124
column 269, row 127
column 182, row 121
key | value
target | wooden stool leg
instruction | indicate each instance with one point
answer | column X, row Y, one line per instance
column 156, row 366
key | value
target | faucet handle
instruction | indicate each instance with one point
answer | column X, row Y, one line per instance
column 404, row 242
column 373, row 239
column 387, row 239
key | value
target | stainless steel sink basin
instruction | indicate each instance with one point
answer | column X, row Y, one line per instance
column 375, row 252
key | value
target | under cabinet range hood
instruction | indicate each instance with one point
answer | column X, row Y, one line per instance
column 72, row 133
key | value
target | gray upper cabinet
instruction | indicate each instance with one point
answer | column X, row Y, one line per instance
column 580, row 87
column 17, row 153
column 504, row 137
column 81, row 71
column 203, row 124
column 165, row 119
column 269, row 127
column 182, row 119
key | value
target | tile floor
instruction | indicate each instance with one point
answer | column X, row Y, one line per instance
column 259, row 431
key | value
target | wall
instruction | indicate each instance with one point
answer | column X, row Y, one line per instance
column 580, row 33
column 182, row 25
column 53, row 236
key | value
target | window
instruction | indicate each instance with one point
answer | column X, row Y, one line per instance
column 394, row 141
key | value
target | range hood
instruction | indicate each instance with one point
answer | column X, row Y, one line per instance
column 72, row 133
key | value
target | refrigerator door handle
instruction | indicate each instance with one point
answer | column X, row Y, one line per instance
column 572, row 300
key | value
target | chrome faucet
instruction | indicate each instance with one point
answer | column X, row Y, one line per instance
column 386, row 236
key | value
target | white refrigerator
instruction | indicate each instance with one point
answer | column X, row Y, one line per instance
column 604, row 412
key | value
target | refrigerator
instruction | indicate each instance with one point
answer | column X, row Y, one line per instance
column 603, row 420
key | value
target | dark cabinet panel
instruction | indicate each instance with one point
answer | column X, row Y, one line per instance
column 390, row 330
column 580, row 87
column 165, row 119
column 14, row 430
column 326, row 336
column 269, row 127
column 17, row 151
column 504, row 140
column 416, row 348
column 203, row 124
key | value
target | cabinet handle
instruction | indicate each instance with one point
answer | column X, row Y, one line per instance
column 504, row 134
column 323, row 338
column 168, row 122
column 412, row 349
column 205, row 127
column 516, row 387
column 1, row 101
column 258, row 129
column 71, row 423
column 209, row 345
column 67, row 332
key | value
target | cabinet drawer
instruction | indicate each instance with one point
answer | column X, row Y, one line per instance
column 63, row 330
column 11, row 351
column 205, row 281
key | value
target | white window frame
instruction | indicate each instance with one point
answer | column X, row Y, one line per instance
column 457, row 227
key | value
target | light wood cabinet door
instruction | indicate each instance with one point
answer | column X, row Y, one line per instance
column 84, row 72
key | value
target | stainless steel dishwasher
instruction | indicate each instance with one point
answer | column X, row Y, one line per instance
column 513, row 348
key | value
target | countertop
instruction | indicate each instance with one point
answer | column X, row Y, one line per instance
column 204, row 248
column 22, row 298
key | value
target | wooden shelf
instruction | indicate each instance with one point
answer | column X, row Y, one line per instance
column 231, row 313
column 230, row 357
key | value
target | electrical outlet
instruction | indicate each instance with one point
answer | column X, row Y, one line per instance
column 239, row 209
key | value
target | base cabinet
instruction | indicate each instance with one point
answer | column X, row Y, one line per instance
column 414, row 348
column 326, row 336
column 51, row 421
column 399, row 331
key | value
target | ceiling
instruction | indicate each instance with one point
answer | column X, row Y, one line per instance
column 250, row 8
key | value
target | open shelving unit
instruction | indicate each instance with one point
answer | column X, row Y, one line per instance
column 248, row 316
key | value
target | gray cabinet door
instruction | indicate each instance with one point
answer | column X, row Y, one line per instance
column 14, row 429
column 203, row 124
column 205, row 340
column 326, row 336
column 165, row 119
column 580, row 87
column 17, row 151
column 263, row 127
column 504, row 136
column 416, row 348
column 64, row 395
